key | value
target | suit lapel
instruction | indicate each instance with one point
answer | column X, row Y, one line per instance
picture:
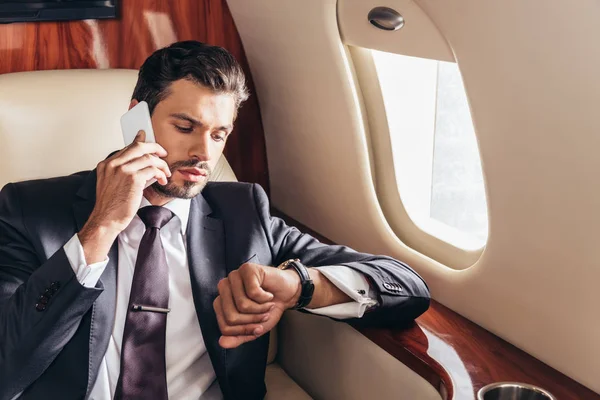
column 103, row 310
column 206, row 257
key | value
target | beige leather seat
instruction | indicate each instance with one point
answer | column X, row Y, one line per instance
column 55, row 123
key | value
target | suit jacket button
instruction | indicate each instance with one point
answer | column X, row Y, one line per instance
column 43, row 300
column 55, row 284
column 40, row 307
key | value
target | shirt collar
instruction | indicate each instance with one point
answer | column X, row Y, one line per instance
column 179, row 207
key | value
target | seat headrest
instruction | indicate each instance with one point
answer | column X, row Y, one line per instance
column 55, row 123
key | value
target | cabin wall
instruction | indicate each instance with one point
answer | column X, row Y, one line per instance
column 531, row 75
column 143, row 27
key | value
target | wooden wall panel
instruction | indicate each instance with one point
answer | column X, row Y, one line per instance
column 143, row 26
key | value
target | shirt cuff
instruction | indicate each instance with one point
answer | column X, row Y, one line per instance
column 355, row 285
column 87, row 275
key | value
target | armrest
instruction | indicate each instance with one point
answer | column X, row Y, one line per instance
column 332, row 360
column 460, row 357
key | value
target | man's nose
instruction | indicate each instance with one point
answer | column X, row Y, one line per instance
column 201, row 149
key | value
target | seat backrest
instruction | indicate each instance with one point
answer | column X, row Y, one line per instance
column 55, row 123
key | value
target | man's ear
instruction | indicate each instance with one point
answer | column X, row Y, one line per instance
column 132, row 104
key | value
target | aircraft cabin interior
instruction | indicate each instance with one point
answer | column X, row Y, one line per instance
column 459, row 137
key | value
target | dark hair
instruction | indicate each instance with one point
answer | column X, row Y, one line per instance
column 210, row 66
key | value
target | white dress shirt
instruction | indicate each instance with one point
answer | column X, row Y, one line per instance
column 190, row 374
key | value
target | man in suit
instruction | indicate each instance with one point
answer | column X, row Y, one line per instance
column 111, row 289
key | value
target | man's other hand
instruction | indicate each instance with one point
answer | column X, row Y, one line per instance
column 252, row 300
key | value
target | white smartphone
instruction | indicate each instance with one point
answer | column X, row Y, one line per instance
column 135, row 120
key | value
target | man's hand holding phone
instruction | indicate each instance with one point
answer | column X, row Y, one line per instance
column 121, row 180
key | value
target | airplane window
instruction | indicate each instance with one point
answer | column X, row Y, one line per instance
column 436, row 157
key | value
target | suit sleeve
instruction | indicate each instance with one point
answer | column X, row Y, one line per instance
column 41, row 301
column 402, row 294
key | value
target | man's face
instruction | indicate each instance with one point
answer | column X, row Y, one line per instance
column 192, row 124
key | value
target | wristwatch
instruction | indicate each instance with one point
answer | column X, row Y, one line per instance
column 306, row 283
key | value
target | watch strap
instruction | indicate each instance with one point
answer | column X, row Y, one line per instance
column 307, row 285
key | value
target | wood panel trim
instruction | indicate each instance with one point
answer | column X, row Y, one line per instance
column 459, row 357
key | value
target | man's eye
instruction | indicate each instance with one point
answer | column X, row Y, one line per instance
column 182, row 129
column 218, row 138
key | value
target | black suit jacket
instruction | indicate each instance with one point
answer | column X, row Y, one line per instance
column 54, row 350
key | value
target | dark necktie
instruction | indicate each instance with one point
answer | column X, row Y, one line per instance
column 143, row 366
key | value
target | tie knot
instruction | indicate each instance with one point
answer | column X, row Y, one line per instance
column 155, row 216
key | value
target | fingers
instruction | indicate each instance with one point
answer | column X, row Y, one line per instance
column 138, row 149
column 231, row 314
column 243, row 303
column 150, row 173
column 145, row 161
column 252, row 276
column 135, row 150
column 230, row 342
column 243, row 308
column 228, row 329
